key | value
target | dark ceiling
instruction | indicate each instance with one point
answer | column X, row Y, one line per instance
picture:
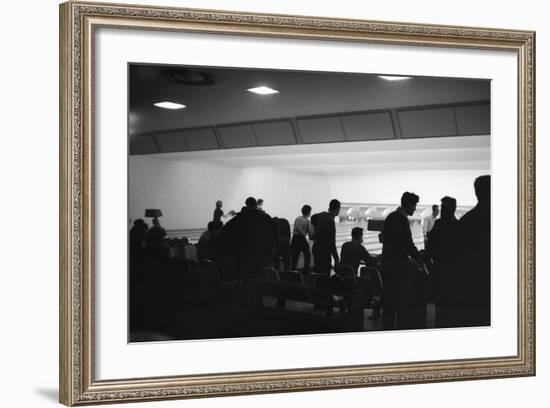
column 301, row 94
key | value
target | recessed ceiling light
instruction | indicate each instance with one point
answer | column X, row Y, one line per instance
column 393, row 77
column 263, row 90
column 169, row 105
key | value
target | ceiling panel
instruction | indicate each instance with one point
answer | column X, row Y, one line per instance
column 434, row 122
column 368, row 126
column 237, row 136
column 142, row 144
column 171, row 141
column 321, row 130
column 201, row 139
column 274, row 133
column 474, row 119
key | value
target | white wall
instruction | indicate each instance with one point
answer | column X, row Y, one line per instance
column 29, row 166
column 388, row 186
column 186, row 191
column 285, row 192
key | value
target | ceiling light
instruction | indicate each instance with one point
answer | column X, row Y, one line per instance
column 263, row 90
column 393, row 77
column 169, row 105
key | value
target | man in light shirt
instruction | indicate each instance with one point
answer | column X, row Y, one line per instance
column 302, row 229
column 428, row 223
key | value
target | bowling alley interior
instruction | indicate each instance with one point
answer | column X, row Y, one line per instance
column 275, row 202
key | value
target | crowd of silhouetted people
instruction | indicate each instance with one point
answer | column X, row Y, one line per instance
column 453, row 270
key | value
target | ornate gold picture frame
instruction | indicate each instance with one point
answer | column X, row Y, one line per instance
column 79, row 22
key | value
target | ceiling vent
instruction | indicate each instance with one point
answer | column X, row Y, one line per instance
column 191, row 77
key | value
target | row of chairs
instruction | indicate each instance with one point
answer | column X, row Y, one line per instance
column 344, row 290
column 218, row 282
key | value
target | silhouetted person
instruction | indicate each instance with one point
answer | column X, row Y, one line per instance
column 217, row 226
column 443, row 249
column 428, row 223
column 205, row 245
column 397, row 251
column 282, row 244
column 138, row 233
column 249, row 237
column 152, row 293
column 474, row 287
column 301, row 231
column 219, row 214
column 250, row 204
column 353, row 252
column 260, row 204
column 324, row 238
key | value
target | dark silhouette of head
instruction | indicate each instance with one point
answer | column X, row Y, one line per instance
column 211, row 226
column 435, row 210
column 140, row 225
column 219, row 204
column 138, row 231
column 408, row 202
column 306, row 210
column 448, row 207
column 482, row 187
column 251, row 203
column 357, row 234
column 334, row 207
column 260, row 202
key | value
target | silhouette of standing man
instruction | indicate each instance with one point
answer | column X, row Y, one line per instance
column 250, row 238
column 428, row 223
column 397, row 249
column 474, row 287
column 218, row 213
column 442, row 249
column 324, row 238
column 302, row 230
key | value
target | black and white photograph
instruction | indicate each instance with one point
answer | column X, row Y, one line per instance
column 267, row 202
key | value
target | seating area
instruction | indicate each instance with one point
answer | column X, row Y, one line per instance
column 179, row 290
column 208, row 301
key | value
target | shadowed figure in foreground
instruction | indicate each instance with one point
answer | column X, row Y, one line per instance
column 473, row 284
column 250, row 238
column 400, row 259
column 442, row 248
column 324, row 238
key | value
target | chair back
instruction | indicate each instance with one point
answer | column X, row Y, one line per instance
column 177, row 251
column 190, row 252
column 269, row 274
column 291, row 276
column 344, row 271
column 318, row 280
